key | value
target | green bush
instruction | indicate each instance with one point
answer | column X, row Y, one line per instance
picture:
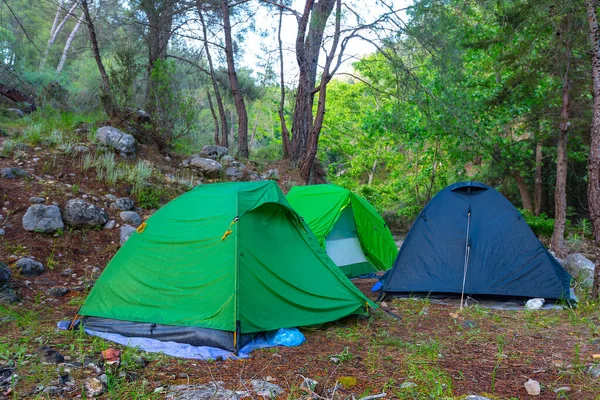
column 541, row 225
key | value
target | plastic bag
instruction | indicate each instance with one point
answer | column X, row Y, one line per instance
column 289, row 337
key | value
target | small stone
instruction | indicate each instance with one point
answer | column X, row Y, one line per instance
column 2, row 232
column 29, row 267
column 81, row 149
column 533, row 387
column 67, row 272
column 48, row 355
column 79, row 214
column 266, row 389
column 131, row 217
column 126, row 231
column 534, row 304
column 58, row 291
column 272, row 174
column 110, row 197
column 13, row 173
column 51, row 390
column 594, row 371
column 408, row 385
column 5, row 273
column 334, row 360
column 562, row 389
column 37, row 200
column 110, row 224
column 476, row 397
column 124, row 204
column 93, row 387
column 103, row 378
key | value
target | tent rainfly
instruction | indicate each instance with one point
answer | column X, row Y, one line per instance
column 354, row 235
column 217, row 265
column 469, row 239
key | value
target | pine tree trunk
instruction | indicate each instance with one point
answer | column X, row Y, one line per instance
column 222, row 115
column 594, row 158
column 537, row 180
column 238, row 98
column 523, row 191
column 215, row 119
column 106, row 98
column 560, row 191
column 56, row 29
column 285, row 134
column 68, row 44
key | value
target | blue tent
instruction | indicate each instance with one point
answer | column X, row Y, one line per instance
column 470, row 239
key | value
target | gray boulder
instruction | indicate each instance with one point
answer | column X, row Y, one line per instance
column 214, row 152
column 41, row 218
column 209, row 168
column 79, row 214
column 8, row 296
column 227, row 160
column 123, row 204
column 14, row 173
column 131, row 217
column 271, row 174
column 580, row 268
column 115, row 139
column 29, row 267
column 126, row 231
column 16, row 112
column 233, row 174
column 5, row 273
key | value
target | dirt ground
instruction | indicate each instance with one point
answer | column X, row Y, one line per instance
column 420, row 350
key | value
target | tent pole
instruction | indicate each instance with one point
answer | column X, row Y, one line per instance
column 467, row 251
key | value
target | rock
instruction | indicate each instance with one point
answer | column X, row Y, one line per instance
column 213, row 152
column 254, row 177
column 475, row 397
column 227, row 160
column 580, row 268
column 110, row 197
column 266, row 389
column 29, row 267
column 142, row 116
column 7, row 295
column 131, row 217
column 5, row 273
column 335, row 360
column 532, row 387
column 7, row 376
column 408, row 385
column 309, row 384
column 233, row 174
column 534, row 304
column 2, row 232
column 79, row 214
column 594, row 371
column 123, row 204
column 126, row 231
column 110, row 224
column 37, row 200
column 13, row 173
column 209, row 168
column 41, row 218
column 51, row 391
column 48, row 355
column 67, row 272
column 271, row 174
column 468, row 324
column 93, row 387
column 213, row 390
column 562, row 389
column 115, row 139
column 81, row 149
column 58, row 291
column 16, row 112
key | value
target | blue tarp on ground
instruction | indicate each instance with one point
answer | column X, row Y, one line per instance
column 288, row 337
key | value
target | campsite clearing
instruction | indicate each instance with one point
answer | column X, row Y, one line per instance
column 485, row 352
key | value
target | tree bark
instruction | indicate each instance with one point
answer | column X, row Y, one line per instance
column 308, row 47
column 594, row 157
column 285, row 134
column 106, row 98
column 537, row 180
column 560, row 191
column 160, row 22
column 215, row 119
column 523, row 191
column 68, row 44
column 222, row 115
column 238, row 98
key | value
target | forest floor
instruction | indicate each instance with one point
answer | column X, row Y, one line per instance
column 432, row 352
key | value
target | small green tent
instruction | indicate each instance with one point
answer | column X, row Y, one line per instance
column 354, row 235
column 221, row 259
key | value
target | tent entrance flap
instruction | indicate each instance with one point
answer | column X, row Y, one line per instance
column 343, row 246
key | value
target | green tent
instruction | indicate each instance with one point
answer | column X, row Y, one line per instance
column 354, row 235
column 221, row 259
